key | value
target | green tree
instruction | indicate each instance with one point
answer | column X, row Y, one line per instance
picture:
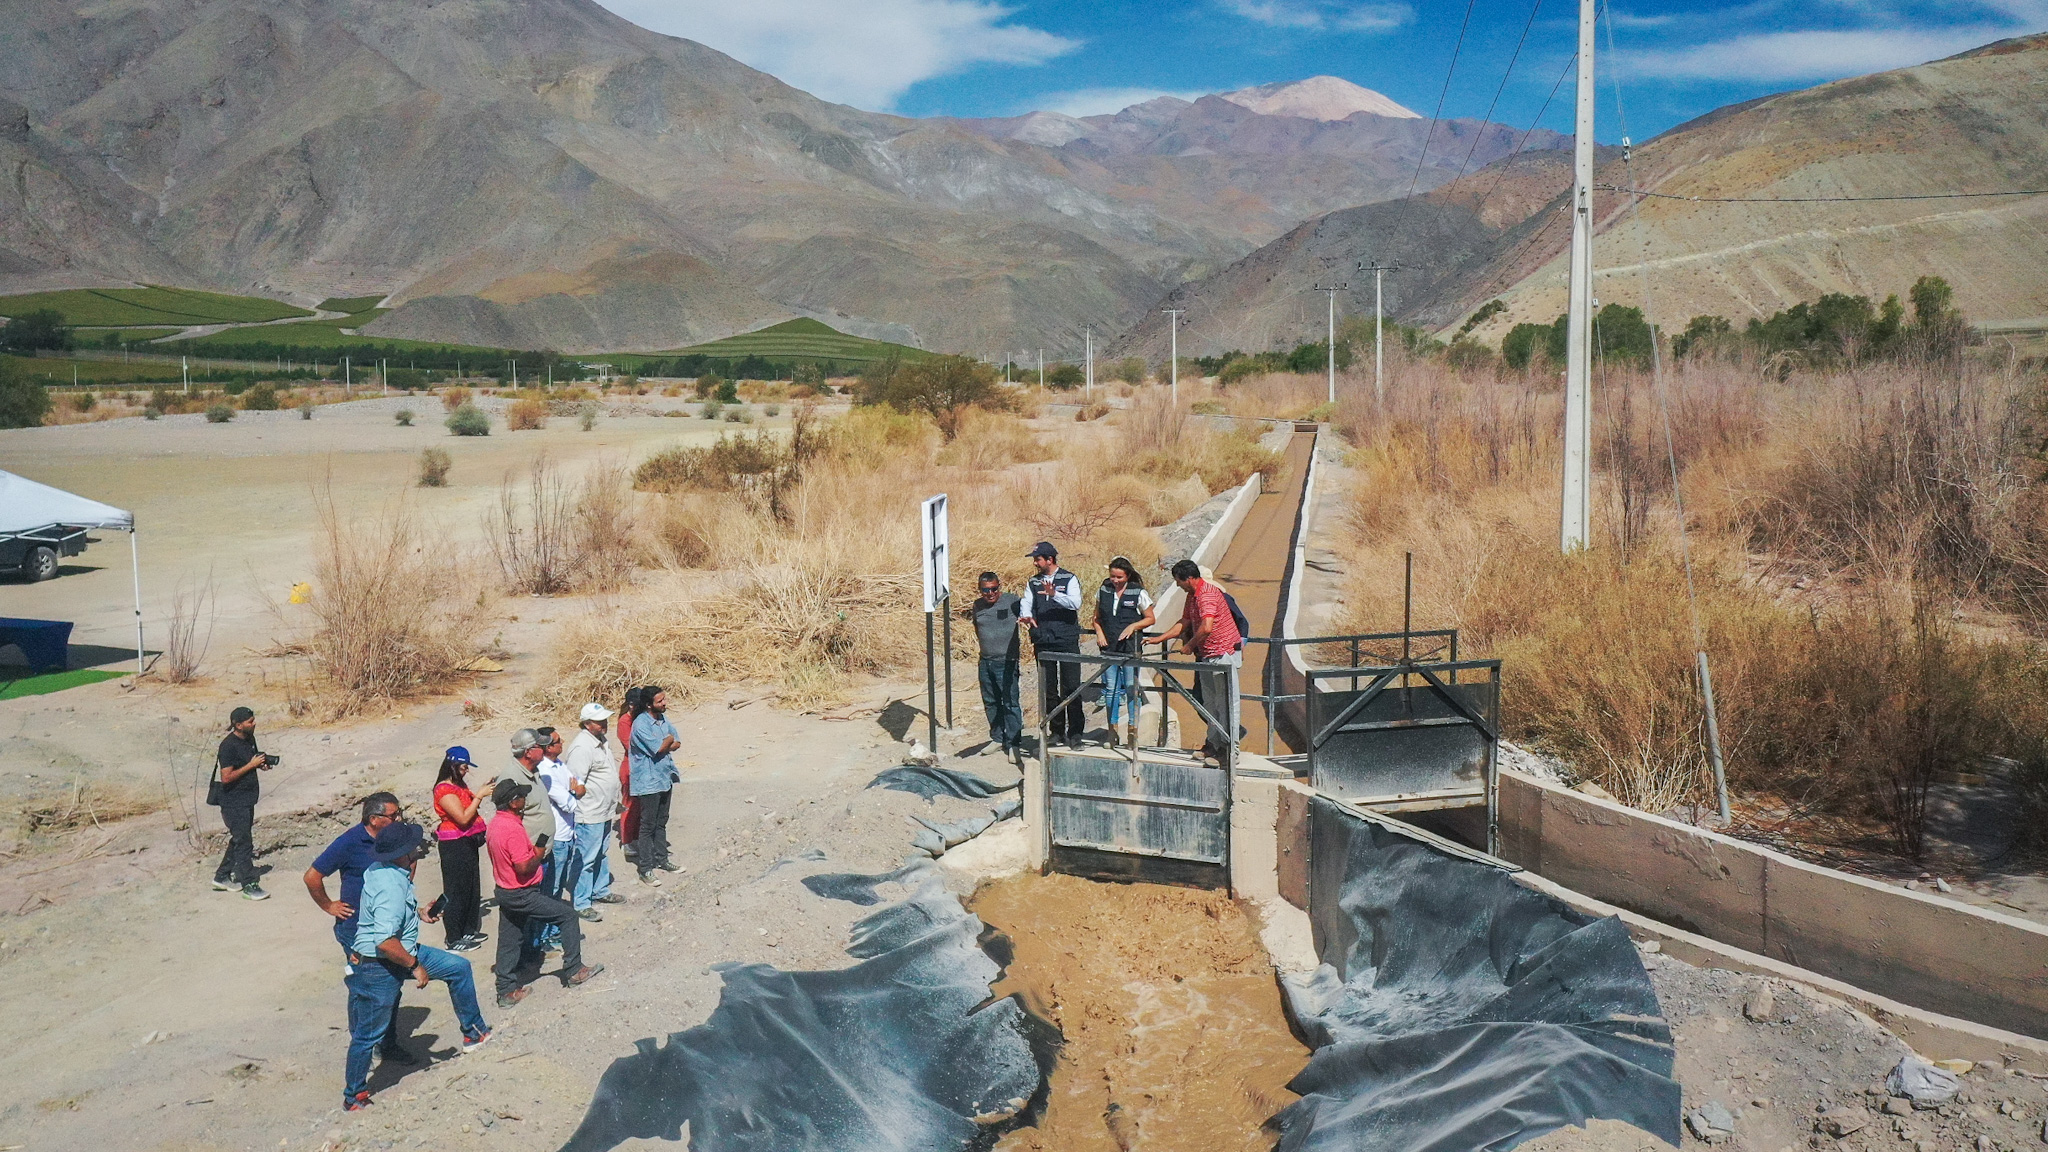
column 1064, row 376
column 1939, row 329
column 943, row 387
column 1467, row 354
column 261, row 398
column 1702, row 334
column 23, row 402
column 1519, row 348
column 877, row 380
column 1486, row 311
column 42, row 328
column 1131, row 370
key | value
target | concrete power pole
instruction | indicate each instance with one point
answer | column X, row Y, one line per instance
column 1332, row 291
column 1173, row 356
column 1576, row 515
column 1041, row 367
column 1379, row 357
column 1089, row 356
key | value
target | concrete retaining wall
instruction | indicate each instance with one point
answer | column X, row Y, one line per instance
column 1914, row 948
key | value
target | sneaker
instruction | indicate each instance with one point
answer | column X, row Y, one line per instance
column 672, row 866
column 583, row 975
column 469, row 1045
column 466, row 944
column 223, row 886
column 397, row 1056
column 648, row 878
column 254, row 892
column 610, row 898
column 356, row 1103
column 590, row 914
column 511, row 999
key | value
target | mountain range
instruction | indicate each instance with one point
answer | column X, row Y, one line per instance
column 1803, row 168
column 542, row 173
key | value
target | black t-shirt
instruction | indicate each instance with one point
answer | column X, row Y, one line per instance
column 241, row 793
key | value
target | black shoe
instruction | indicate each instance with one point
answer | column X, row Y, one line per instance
column 669, row 866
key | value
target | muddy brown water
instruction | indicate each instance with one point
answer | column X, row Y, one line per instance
column 1175, row 1038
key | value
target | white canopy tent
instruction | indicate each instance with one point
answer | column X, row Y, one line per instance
column 33, row 510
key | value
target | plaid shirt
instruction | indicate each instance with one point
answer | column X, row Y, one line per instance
column 1206, row 602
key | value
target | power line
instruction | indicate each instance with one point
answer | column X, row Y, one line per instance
column 1440, row 98
column 1644, row 192
column 1495, row 102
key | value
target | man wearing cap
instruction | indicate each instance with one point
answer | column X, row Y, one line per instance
column 597, row 777
column 1052, row 611
column 387, row 950
column 354, row 853
column 236, row 766
column 516, row 868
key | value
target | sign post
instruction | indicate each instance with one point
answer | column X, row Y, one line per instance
column 938, row 599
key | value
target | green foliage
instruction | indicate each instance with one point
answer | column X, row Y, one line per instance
column 351, row 305
column 409, row 379
column 1130, row 370
column 1064, row 376
column 83, row 401
column 1702, row 334
column 469, row 420
column 708, row 384
column 711, row 409
column 1521, row 346
column 876, row 380
column 1468, row 355
column 261, row 398
column 942, row 387
column 23, row 402
column 404, row 417
column 1621, row 333
column 42, row 328
column 219, row 414
column 1312, row 358
column 807, row 372
column 1487, row 311
column 802, row 339
column 728, row 392
column 153, row 305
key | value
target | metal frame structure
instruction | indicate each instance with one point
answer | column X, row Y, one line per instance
column 1443, row 640
column 1154, row 776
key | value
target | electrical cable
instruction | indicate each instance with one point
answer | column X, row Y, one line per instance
column 1436, row 116
column 1495, row 102
column 1646, row 193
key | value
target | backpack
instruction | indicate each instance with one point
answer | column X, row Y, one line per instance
column 1244, row 626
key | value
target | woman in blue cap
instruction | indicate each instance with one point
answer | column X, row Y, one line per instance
column 461, row 840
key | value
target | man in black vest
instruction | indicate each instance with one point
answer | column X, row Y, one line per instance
column 1052, row 610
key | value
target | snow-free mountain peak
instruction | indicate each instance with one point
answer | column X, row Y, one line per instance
column 1317, row 98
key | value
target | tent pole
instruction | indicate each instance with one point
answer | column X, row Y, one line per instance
column 135, row 567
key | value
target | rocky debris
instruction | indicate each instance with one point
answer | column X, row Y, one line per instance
column 1762, row 1008
column 1839, row 1121
column 1920, row 1082
column 1711, row 1122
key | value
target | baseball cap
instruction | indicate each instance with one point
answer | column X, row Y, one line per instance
column 457, row 753
column 1043, row 548
column 594, row 711
column 240, row 714
column 523, row 739
column 506, row 790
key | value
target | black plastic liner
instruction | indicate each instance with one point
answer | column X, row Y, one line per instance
column 902, row 1051
column 929, row 782
column 1457, row 1010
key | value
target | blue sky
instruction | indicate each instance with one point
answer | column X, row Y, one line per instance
column 1673, row 61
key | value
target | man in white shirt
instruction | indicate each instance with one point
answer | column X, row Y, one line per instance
column 564, row 792
column 590, row 761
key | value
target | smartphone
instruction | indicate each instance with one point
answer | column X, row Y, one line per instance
column 440, row 903
column 541, row 844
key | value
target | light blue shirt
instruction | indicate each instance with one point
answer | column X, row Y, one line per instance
column 388, row 908
column 651, row 773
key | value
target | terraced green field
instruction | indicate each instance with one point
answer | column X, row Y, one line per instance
column 91, row 337
column 799, row 339
column 52, row 371
column 122, row 307
column 352, row 304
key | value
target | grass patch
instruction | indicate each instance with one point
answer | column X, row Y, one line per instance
column 803, row 338
column 320, row 336
column 353, row 305
column 125, row 335
column 53, row 371
column 152, row 305
column 54, row 682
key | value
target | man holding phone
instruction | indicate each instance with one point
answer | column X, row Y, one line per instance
column 516, row 868
column 236, row 766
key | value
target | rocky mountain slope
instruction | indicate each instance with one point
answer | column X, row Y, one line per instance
column 543, row 173
column 1971, row 123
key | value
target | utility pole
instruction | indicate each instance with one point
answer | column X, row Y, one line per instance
column 1576, row 514
column 1332, row 291
column 1173, row 356
column 384, row 375
column 185, row 370
column 1041, row 367
column 348, row 380
column 1379, row 356
column 1090, row 357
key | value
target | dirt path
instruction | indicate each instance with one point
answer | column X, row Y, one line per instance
column 1175, row 1038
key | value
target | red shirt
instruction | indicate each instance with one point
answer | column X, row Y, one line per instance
column 449, row 829
column 505, row 839
column 626, row 761
column 1206, row 603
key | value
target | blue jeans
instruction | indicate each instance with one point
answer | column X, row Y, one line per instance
column 999, row 677
column 373, row 991
column 594, row 868
column 1120, row 686
column 559, row 878
column 346, row 934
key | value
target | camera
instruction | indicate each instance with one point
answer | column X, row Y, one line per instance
column 272, row 759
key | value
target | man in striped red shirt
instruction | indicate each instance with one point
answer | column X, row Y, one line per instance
column 1208, row 631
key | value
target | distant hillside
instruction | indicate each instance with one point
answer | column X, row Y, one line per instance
column 123, row 307
column 801, row 339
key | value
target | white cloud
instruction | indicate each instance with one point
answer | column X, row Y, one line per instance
column 1101, row 101
column 1323, row 14
column 866, row 54
column 1772, row 57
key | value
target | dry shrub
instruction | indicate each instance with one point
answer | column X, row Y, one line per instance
column 394, row 615
column 554, row 536
column 89, row 805
column 453, row 398
column 1284, row 395
column 434, row 465
column 605, row 526
column 1157, row 439
column 526, row 415
column 986, row 440
column 188, row 632
column 1093, row 410
column 1171, row 503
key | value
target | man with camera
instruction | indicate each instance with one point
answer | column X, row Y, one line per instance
column 235, row 790
column 1052, row 611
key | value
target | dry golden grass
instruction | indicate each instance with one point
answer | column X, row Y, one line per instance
column 1838, row 525
column 986, row 441
column 526, row 415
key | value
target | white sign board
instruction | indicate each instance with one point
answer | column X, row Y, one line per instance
column 938, row 553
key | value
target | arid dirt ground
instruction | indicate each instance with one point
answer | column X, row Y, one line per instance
column 144, row 1010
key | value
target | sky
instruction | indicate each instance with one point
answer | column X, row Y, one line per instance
column 1668, row 63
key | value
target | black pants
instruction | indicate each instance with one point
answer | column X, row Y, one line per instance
column 651, row 850
column 1058, row 679
column 518, row 910
column 238, row 863
column 463, row 914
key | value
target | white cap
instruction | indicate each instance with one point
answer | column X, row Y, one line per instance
column 595, row 711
